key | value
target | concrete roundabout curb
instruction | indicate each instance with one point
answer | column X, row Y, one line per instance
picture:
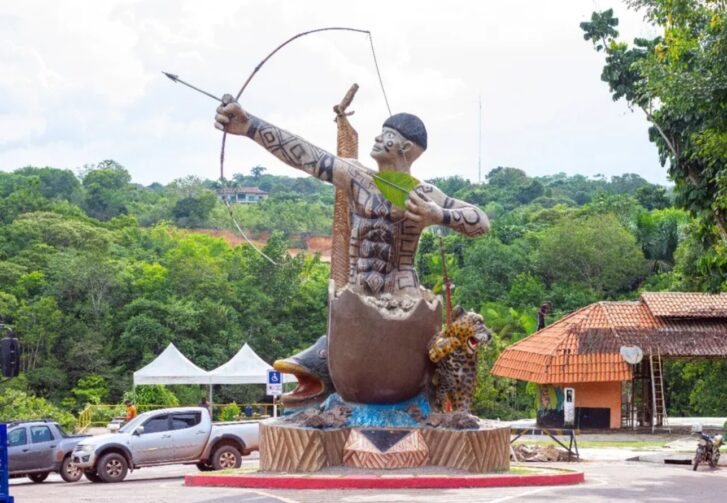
column 545, row 477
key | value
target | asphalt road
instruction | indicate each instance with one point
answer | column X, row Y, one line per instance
column 621, row 481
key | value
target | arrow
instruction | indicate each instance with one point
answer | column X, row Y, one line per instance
column 175, row 78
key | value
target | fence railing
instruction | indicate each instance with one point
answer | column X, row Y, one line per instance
column 99, row 415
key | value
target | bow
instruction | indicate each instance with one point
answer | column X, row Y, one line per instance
column 249, row 79
column 274, row 51
column 175, row 78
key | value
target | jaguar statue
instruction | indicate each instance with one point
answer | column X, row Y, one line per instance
column 454, row 353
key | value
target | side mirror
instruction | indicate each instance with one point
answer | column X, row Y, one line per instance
column 139, row 430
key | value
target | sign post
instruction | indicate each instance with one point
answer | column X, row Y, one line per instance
column 569, row 407
column 274, row 387
column 4, row 469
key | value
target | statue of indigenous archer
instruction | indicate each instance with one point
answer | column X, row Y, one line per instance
column 381, row 321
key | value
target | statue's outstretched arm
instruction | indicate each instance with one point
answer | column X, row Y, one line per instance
column 428, row 205
column 289, row 148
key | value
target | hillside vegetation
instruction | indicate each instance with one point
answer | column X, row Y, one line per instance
column 98, row 275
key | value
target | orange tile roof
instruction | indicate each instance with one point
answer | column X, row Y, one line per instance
column 686, row 304
column 584, row 345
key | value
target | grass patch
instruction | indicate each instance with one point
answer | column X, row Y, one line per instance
column 237, row 471
column 521, row 470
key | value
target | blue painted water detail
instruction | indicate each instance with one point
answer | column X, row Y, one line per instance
column 381, row 415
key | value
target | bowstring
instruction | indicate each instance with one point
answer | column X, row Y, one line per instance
column 244, row 86
column 378, row 73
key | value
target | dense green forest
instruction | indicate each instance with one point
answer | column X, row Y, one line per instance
column 98, row 274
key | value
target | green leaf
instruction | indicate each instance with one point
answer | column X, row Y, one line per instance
column 395, row 186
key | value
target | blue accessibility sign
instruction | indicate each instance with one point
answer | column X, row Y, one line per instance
column 274, row 383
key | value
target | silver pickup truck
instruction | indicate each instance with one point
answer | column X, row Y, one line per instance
column 183, row 435
column 38, row 447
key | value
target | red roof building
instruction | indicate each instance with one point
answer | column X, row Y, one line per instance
column 583, row 351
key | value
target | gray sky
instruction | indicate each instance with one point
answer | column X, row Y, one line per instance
column 80, row 82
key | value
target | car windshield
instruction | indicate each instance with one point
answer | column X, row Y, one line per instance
column 61, row 431
column 131, row 425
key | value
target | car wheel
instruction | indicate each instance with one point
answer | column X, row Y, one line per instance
column 38, row 477
column 69, row 471
column 226, row 458
column 92, row 476
column 204, row 467
column 112, row 467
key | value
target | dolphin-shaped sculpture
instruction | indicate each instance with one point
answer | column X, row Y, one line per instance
column 310, row 367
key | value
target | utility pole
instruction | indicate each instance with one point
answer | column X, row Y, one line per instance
column 479, row 142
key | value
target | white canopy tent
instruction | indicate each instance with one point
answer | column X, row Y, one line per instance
column 171, row 367
column 246, row 367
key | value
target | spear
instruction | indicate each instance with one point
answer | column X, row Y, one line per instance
column 381, row 179
column 175, row 78
column 447, row 283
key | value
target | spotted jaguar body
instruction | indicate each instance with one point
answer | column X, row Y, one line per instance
column 454, row 352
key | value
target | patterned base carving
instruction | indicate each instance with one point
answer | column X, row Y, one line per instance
column 293, row 449
column 407, row 451
column 478, row 451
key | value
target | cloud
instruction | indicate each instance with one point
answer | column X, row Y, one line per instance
column 81, row 82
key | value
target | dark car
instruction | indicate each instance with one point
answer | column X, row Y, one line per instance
column 39, row 447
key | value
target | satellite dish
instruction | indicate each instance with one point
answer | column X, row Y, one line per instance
column 632, row 354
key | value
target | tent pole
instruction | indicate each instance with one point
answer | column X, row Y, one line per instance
column 211, row 408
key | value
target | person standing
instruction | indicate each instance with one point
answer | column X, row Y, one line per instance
column 130, row 410
column 204, row 403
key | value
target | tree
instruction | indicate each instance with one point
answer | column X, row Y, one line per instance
column 653, row 197
column 257, row 171
column 679, row 80
column 106, row 188
column 19, row 195
column 54, row 183
column 597, row 252
column 658, row 232
column 627, row 183
column 90, row 389
column 38, row 325
column 488, row 271
column 451, row 185
column 526, row 291
column 193, row 212
column 17, row 405
column 526, row 193
column 152, row 394
column 506, row 177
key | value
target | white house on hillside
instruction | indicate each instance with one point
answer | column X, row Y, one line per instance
column 245, row 195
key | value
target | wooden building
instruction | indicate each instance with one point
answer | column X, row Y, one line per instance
column 583, row 351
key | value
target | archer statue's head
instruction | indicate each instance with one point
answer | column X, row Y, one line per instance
column 402, row 135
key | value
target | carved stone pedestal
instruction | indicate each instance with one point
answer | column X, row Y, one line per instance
column 385, row 449
column 291, row 448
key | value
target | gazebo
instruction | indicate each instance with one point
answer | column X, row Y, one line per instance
column 583, row 351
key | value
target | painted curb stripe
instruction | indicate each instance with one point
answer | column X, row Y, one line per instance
column 376, row 482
